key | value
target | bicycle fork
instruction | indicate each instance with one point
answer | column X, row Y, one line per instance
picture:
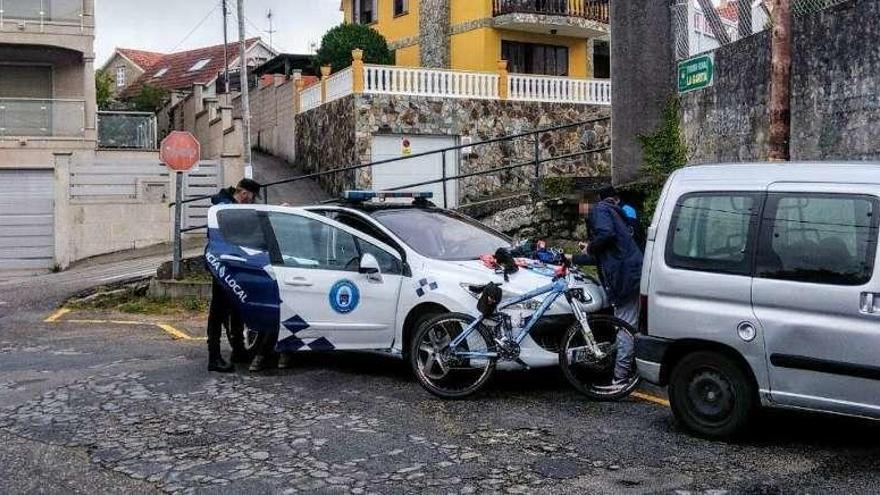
column 586, row 332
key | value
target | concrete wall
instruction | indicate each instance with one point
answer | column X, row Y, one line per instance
column 272, row 118
column 641, row 75
column 340, row 133
column 835, row 83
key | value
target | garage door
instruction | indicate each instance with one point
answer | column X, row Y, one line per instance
column 27, row 220
column 415, row 170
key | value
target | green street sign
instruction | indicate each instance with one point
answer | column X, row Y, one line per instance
column 696, row 73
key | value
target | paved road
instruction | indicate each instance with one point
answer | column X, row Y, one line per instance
column 268, row 168
column 113, row 408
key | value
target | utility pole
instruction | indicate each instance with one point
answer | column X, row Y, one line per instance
column 226, row 46
column 780, row 81
column 271, row 30
column 245, row 92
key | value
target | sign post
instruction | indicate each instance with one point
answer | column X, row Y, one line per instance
column 180, row 152
column 696, row 73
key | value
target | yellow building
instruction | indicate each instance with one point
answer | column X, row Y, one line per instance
column 550, row 37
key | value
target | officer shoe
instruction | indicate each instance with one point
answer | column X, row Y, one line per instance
column 258, row 364
column 285, row 361
column 220, row 365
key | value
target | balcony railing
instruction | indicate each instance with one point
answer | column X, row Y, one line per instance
column 23, row 117
column 594, row 10
column 127, row 130
column 42, row 11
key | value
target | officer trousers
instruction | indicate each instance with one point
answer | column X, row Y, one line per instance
column 223, row 313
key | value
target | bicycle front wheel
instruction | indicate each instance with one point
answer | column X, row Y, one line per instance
column 446, row 372
column 591, row 375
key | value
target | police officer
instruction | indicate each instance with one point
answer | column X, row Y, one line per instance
column 222, row 312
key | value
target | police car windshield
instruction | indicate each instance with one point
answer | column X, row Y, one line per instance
column 441, row 234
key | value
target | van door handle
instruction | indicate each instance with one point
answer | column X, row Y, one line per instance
column 298, row 282
column 869, row 303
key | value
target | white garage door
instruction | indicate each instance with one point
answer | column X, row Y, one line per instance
column 415, row 170
column 27, row 220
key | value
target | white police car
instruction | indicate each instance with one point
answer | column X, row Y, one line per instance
column 361, row 275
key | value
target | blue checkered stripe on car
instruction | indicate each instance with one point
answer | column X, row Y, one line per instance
column 424, row 286
column 292, row 343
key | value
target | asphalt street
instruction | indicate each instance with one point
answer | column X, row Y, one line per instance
column 103, row 407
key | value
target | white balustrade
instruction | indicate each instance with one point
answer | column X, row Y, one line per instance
column 524, row 87
column 339, row 84
column 382, row 79
column 310, row 97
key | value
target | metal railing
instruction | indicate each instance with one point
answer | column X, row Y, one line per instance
column 595, row 10
column 43, row 11
column 536, row 163
column 127, row 130
column 28, row 117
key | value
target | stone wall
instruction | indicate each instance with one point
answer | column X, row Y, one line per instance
column 835, row 112
column 434, row 33
column 325, row 139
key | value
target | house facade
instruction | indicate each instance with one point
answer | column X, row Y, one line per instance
column 543, row 37
column 131, row 69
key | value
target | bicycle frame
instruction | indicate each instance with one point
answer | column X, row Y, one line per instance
column 553, row 291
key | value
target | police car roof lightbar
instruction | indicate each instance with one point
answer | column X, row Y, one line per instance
column 368, row 195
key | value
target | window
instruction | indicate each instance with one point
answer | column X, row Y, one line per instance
column 120, row 76
column 307, row 243
column 818, row 238
column 401, row 7
column 242, row 227
column 713, row 232
column 387, row 263
column 364, row 11
column 200, row 64
column 601, row 60
column 161, row 72
column 531, row 58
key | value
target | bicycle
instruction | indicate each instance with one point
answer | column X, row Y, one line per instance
column 454, row 355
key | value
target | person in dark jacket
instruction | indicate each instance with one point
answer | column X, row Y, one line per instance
column 222, row 312
column 613, row 248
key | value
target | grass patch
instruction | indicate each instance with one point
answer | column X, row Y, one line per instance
column 132, row 303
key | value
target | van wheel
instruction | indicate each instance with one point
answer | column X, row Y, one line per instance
column 711, row 396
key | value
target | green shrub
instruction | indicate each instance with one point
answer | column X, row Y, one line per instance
column 338, row 42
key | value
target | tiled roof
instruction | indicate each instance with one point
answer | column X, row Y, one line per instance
column 179, row 76
column 141, row 58
column 728, row 10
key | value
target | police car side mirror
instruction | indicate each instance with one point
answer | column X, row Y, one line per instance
column 369, row 264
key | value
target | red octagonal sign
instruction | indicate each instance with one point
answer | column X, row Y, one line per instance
column 180, row 151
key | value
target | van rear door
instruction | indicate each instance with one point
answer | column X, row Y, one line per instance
column 817, row 297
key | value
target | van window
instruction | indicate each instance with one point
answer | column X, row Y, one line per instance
column 712, row 232
column 818, row 238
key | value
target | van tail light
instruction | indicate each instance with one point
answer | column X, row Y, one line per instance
column 643, row 314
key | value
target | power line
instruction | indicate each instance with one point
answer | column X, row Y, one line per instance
column 196, row 28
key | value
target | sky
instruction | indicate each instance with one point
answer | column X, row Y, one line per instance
column 175, row 25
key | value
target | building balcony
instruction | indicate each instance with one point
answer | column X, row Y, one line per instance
column 127, row 130
column 576, row 18
column 23, row 118
column 60, row 23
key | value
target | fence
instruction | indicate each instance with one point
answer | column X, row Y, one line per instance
column 411, row 81
column 42, row 11
column 25, row 117
column 596, row 10
column 127, row 130
column 700, row 26
column 430, row 82
column 116, row 180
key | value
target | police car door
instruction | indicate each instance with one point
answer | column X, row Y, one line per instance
column 332, row 296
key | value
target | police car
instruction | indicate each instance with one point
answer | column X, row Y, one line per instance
column 364, row 275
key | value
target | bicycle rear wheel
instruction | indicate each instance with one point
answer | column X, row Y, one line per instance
column 590, row 375
column 439, row 369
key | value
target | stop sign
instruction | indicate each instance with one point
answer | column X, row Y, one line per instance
column 180, row 151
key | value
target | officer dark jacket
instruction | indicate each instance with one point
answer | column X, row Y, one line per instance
column 224, row 197
column 614, row 250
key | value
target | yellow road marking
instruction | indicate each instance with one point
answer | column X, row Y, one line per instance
column 170, row 330
column 58, row 314
column 651, row 398
column 175, row 333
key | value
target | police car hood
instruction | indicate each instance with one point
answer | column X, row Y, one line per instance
column 519, row 282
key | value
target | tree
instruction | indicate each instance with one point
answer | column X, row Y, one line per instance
column 150, row 99
column 104, row 89
column 338, row 42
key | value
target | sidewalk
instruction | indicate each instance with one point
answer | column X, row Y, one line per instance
column 268, row 168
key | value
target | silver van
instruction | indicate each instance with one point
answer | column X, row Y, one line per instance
column 760, row 288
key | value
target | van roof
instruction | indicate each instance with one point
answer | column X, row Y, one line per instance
column 770, row 172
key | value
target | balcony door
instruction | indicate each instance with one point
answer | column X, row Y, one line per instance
column 533, row 58
column 25, row 100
